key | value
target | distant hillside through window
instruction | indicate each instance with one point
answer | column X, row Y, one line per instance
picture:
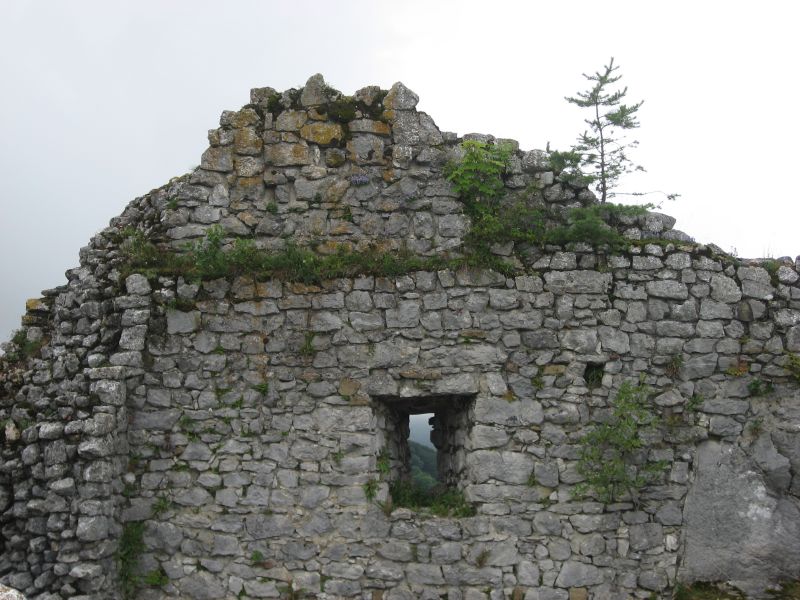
column 424, row 471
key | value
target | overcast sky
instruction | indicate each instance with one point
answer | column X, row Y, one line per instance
column 101, row 101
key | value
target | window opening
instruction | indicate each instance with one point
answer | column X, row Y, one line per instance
column 593, row 375
column 445, row 421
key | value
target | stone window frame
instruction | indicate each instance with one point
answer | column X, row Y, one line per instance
column 450, row 431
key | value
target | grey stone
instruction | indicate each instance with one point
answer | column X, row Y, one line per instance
column 577, row 282
column 547, row 523
column 674, row 290
column 578, row 574
column 314, row 92
column 92, row 529
column 787, row 275
column 488, row 437
column 725, row 289
column 756, row 289
column 202, row 585
column 581, row 340
column 268, row 526
column 137, row 285
column 775, row 466
column 182, row 322
column 613, row 340
column 163, row 536
column 400, row 98
column 702, row 365
column 405, row 315
column 508, row 467
column 735, row 530
column 424, row 574
column 646, row 536
column 724, row 426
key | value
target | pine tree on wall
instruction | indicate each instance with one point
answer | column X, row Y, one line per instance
column 601, row 152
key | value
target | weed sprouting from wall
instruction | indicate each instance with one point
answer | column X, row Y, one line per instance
column 607, row 452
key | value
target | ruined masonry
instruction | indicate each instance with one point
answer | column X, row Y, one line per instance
column 238, row 424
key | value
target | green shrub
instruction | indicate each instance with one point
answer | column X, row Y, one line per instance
column 131, row 546
column 156, row 578
column 442, row 503
column 207, row 259
column 478, row 177
column 606, row 454
column 136, row 248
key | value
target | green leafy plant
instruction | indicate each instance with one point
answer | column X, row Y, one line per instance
column 307, row 349
column 760, row 387
column 694, row 403
column 131, row 547
column 207, row 254
column 740, row 369
column 262, row 388
column 181, row 304
column 136, row 248
column 442, row 503
column 771, row 266
column 788, row 590
column 371, row 489
column 537, row 381
column 257, row 557
column 793, row 365
column 156, row 578
column 595, row 224
column 161, row 505
column 208, row 259
column 756, row 426
column 674, row 365
column 607, row 454
column 384, row 463
column 478, row 177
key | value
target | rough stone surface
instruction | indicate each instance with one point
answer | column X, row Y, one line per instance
column 736, row 529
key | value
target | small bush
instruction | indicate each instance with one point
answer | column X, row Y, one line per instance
column 674, row 365
column 793, row 366
column 442, row 503
column 156, row 578
column 760, row 387
column 371, row 489
column 606, row 454
column 478, row 176
column 131, row 546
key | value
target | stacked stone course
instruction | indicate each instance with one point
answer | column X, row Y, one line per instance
column 242, row 420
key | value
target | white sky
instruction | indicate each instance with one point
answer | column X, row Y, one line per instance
column 102, row 101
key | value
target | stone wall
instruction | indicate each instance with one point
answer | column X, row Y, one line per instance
column 244, row 422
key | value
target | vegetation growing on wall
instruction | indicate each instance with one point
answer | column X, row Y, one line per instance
column 438, row 502
column 131, row 547
column 209, row 259
column 478, row 179
column 20, row 347
column 608, row 453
